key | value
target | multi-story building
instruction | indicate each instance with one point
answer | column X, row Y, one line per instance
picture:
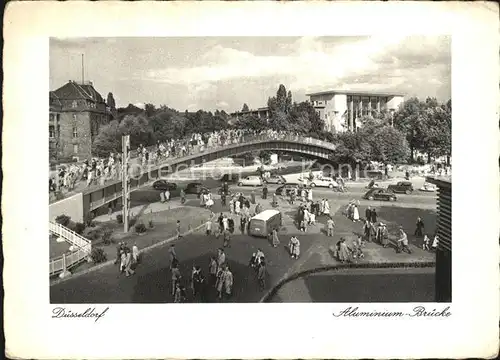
column 76, row 113
column 262, row 112
column 340, row 109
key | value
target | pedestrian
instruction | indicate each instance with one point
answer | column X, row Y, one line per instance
column 162, row 197
column 329, row 226
column 258, row 209
column 275, row 200
column 176, row 277
column 264, row 192
column 173, row 255
column 368, row 213
column 367, row 231
column 435, row 242
column 227, row 239
column 167, row 195
column 355, row 213
column 420, row 227
column 178, row 298
column 208, row 227
column 276, row 240
column 243, row 224
column 119, row 248
column 326, row 209
column 183, row 196
column 219, row 283
column 426, row 243
column 228, row 281
column 212, row 270
column 403, row 242
column 383, row 235
column 230, row 224
column 294, row 247
column 252, row 196
column 343, row 251
column 261, row 275
column 178, row 229
column 237, row 207
column 231, row 206
column 221, row 258
column 135, row 253
column 123, row 260
column 374, row 216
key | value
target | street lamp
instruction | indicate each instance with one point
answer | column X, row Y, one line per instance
column 125, row 180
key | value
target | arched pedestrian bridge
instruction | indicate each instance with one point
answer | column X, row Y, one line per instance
column 97, row 197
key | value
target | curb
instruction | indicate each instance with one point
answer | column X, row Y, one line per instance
column 272, row 292
column 142, row 251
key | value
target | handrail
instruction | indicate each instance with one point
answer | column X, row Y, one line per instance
column 226, row 144
column 70, row 236
column 64, row 262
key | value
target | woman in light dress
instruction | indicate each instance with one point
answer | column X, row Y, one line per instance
column 355, row 213
column 276, row 240
column 294, row 246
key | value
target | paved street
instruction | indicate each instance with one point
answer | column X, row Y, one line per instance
column 151, row 283
column 355, row 285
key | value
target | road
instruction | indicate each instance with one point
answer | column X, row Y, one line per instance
column 358, row 286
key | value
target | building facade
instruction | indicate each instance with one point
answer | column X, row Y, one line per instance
column 76, row 113
column 341, row 109
column 261, row 113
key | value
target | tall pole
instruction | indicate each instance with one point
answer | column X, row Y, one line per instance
column 125, row 180
column 83, row 71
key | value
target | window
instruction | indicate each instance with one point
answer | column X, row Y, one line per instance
column 74, row 104
column 75, row 148
column 51, row 132
column 75, row 132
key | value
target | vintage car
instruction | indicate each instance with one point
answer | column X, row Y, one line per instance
column 250, row 181
column 164, row 185
column 403, row 187
column 428, row 187
column 274, row 179
column 322, row 181
column 379, row 194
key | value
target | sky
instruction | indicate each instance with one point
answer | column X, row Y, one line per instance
column 222, row 73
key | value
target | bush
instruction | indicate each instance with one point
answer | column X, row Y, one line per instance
column 98, row 255
column 92, row 234
column 79, row 227
column 140, row 228
column 106, row 236
column 63, row 220
column 119, row 218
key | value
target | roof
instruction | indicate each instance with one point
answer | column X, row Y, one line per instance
column 266, row 214
column 356, row 92
column 443, row 182
column 54, row 99
column 74, row 91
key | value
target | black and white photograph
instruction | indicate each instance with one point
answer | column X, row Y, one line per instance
column 251, row 180
column 250, row 169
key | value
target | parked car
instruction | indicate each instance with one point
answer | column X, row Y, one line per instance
column 428, row 187
column 194, row 188
column 274, row 179
column 164, row 185
column 250, row 181
column 321, row 181
column 285, row 189
column 405, row 187
column 379, row 194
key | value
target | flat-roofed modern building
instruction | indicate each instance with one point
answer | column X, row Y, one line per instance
column 262, row 112
column 340, row 109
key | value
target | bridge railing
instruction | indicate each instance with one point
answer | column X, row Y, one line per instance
column 199, row 149
column 67, row 261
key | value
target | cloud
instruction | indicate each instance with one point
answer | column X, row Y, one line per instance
column 222, row 104
column 311, row 63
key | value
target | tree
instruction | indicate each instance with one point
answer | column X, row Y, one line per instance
column 251, row 122
column 150, row 110
column 245, row 108
column 112, row 105
column 108, row 140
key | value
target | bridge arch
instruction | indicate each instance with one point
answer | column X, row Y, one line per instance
column 97, row 197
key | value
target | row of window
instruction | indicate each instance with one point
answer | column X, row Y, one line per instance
column 90, row 104
column 52, row 133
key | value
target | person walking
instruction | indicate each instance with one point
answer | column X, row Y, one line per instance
column 208, row 227
column 173, row 255
column 368, row 214
column 183, row 196
column 252, row 196
column 264, row 192
column 212, row 270
column 221, row 258
column 176, row 278
column 373, row 219
column 261, row 275
column 367, row 231
column 258, row 209
column 426, row 243
column 343, row 251
column 227, row 239
column 355, row 213
column 228, row 282
column 326, row 209
column 294, row 246
column 135, row 253
column 178, row 229
column 403, row 242
column 167, row 195
column 276, row 240
column 329, row 226
column 420, row 227
column 383, row 235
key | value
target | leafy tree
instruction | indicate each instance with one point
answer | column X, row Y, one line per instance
column 108, row 140
column 111, row 101
column 245, row 108
column 150, row 110
column 251, row 122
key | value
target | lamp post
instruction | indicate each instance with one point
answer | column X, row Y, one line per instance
column 125, row 180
